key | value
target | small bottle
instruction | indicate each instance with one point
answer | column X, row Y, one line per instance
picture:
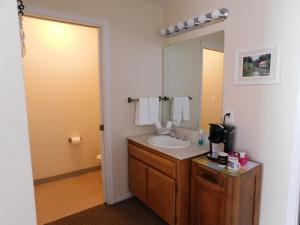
column 201, row 140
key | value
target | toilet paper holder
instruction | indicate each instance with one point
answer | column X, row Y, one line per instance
column 72, row 139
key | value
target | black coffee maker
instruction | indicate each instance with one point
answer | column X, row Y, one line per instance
column 221, row 138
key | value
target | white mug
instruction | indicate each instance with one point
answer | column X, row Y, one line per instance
column 233, row 163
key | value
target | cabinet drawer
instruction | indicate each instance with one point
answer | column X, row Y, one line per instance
column 157, row 162
column 209, row 177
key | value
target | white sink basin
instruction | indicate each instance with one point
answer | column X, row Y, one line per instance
column 168, row 142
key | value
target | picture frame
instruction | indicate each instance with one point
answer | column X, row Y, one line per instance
column 257, row 67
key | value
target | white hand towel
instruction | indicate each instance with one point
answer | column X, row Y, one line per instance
column 186, row 108
column 177, row 110
column 153, row 109
column 142, row 112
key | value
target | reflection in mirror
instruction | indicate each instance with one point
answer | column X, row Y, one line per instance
column 194, row 68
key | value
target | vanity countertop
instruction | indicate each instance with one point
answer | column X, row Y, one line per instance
column 204, row 161
column 182, row 153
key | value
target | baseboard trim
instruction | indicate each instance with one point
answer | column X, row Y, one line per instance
column 66, row 175
column 122, row 197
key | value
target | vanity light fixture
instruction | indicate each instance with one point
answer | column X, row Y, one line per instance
column 215, row 14
column 202, row 19
column 171, row 29
column 180, row 26
column 195, row 23
column 190, row 23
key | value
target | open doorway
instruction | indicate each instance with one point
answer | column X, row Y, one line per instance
column 212, row 87
column 62, row 82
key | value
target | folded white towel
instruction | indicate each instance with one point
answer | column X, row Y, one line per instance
column 180, row 109
column 177, row 110
column 142, row 112
column 186, row 108
column 147, row 111
column 153, row 109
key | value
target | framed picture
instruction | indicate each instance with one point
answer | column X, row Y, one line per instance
column 258, row 67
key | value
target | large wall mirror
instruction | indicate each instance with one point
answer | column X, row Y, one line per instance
column 194, row 69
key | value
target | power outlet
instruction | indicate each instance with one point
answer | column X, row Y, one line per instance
column 230, row 120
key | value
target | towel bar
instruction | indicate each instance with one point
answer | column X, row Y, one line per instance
column 160, row 99
column 136, row 99
column 166, row 98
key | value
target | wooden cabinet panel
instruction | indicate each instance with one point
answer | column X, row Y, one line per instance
column 222, row 197
column 161, row 182
column 155, row 161
column 162, row 195
column 138, row 179
column 209, row 206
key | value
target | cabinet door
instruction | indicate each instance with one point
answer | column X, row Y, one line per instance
column 208, row 206
column 138, row 178
column 162, row 195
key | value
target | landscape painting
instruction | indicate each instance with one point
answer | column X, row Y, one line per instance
column 257, row 66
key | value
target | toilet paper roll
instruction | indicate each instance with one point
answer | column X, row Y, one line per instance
column 75, row 140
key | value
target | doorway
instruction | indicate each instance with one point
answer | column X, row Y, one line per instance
column 62, row 82
column 212, row 87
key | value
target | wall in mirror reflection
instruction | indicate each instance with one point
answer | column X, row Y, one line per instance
column 195, row 68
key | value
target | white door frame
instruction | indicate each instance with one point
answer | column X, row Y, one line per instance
column 105, row 83
column 293, row 201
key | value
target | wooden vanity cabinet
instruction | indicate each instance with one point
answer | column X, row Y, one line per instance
column 161, row 182
column 138, row 179
column 161, row 195
column 221, row 197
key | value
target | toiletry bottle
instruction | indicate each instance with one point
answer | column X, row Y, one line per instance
column 201, row 140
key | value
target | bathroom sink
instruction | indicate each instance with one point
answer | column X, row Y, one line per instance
column 168, row 142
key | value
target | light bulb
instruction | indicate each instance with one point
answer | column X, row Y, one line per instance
column 171, row 29
column 202, row 19
column 163, row 31
column 180, row 25
column 215, row 14
column 191, row 22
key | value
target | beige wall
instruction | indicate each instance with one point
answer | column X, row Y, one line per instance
column 136, row 64
column 265, row 133
column 212, row 88
column 16, row 189
column 62, row 91
column 264, row 114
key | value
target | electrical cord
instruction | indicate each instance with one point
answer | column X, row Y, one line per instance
column 21, row 8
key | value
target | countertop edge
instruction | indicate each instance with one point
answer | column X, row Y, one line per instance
column 177, row 154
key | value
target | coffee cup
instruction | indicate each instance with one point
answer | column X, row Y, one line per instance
column 233, row 163
column 222, row 159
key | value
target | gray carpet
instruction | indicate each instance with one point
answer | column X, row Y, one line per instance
column 129, row 212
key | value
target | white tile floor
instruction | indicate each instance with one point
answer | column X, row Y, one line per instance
column 65, row 197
